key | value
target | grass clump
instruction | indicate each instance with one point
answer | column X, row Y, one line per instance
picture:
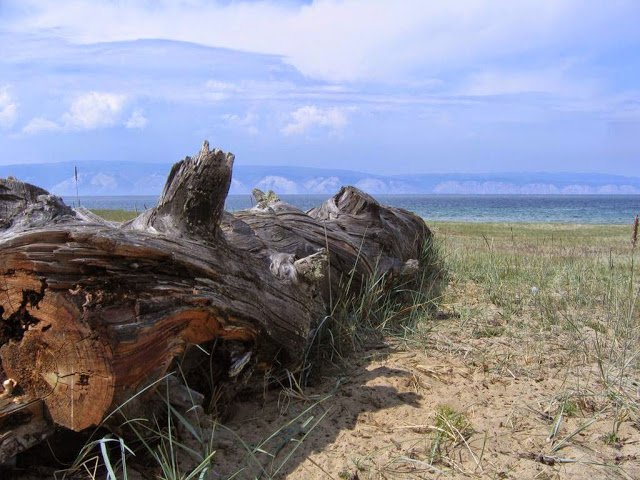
column 451, row 428
column 570, row 408
column 361, row 316
column 180, row 444
column 488, row 331
column 452, row 423
column 611, row 438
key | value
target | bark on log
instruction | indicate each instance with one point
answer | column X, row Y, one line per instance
column 90, row 312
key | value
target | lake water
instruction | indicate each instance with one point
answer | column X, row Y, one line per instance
column 611, row 209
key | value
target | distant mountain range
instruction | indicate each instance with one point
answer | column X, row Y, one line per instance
column 136, row 178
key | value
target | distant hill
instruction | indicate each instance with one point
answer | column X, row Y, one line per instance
column 136, row 178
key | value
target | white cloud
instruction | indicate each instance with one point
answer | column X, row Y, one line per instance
column 248, row 89
column 218, row 85
column 310, row 116
column 136, row 120
column 347, row 40
column 8, row 108
column 554, row 81
column 94, row 110
column 246, row 122
column 235, row 119
column 40, row 125
column 502, row 83
column 216, row 90
column 89, row 111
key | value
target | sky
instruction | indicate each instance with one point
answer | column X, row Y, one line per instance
column 381, row 86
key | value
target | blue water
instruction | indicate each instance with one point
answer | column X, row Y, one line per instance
column 611, row 209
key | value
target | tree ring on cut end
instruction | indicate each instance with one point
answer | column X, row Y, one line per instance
column 62, row 361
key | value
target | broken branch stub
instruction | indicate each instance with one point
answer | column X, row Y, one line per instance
column 192, row 202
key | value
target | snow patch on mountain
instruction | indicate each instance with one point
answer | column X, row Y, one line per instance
column 323, row 185
column 279, row 184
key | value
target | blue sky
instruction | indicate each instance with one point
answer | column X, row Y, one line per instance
column 375, row 85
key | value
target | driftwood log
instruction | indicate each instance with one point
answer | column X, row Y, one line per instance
column 91, row 311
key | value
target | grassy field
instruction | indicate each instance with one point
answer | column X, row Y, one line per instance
column 581, row 280
column 527, row 365
column 115, row 215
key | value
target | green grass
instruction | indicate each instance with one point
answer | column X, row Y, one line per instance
column 115, row 215
column 450, row 426
column 555, row 272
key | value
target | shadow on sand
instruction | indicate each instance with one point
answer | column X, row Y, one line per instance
column 288, row 430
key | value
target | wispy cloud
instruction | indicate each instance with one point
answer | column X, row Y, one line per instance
column 40, row 125
column 136, row 120
column 246, row 122
column 368, row 40
column 8, row 108
column 216, row 90
column 305, row 118
column 552, row 80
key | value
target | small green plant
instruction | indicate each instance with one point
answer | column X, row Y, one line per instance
column 611, row 438
column 453, row 423
column 488, row 331
column 570, row 408
column 451, row 428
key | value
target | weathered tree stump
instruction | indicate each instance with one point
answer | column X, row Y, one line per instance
column 91, row 312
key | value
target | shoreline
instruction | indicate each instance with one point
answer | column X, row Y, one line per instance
column 120, row 215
